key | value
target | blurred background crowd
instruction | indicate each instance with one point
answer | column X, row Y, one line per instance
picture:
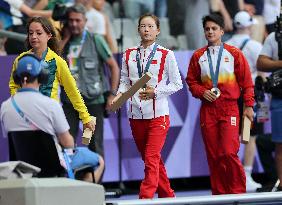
column 181, row 27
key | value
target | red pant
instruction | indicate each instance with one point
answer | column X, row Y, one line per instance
column 149, row 136
column 220, row 130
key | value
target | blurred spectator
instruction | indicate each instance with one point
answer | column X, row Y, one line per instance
column 161, row 8
column 14, row 10
column 111, row 1
column 251, row 49
column 232, row 8
column 270, row 11
column 2, row 47
column 2, row 42
column 255, row 9
column 108, row 10
column 48, row 5
column 99, row 5
column 135, row 8
column 36, row 4
column 217, row 6
column 176, row 12
column 266, row 149
column 195, row 10
column 269, row 61
column 86, row 54
column 12, row 14
column 95, row 19
column 51, row 3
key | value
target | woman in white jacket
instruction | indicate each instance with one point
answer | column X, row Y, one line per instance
column 148, row 109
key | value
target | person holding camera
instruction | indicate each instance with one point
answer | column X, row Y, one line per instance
column 216, row 75
column 251, row 49
column 42, row 42
column 86, row 54
column 270, row 61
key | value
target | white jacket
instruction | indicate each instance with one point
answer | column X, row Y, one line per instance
column 166, row 80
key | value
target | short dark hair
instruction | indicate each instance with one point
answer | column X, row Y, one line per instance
column 76, row 8
column 216, row 18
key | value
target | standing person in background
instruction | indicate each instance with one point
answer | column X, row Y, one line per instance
column 232, row 7
column 251, row 49
column 148, row 109
column 194, row 11
column 42, row 41
column 270, row 11
column 216, row 75
column 135, row 8
column 99, row 5
column 12, row 13
column 270, row 61
column 255, row 10
column 218, row 6
column 37, row 4
column 86, row 54
column 175, row 12
column 2, row 42
column 161, row 8
column 95, row 20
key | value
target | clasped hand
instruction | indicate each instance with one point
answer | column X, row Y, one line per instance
column 209, row 96
column 147, row 93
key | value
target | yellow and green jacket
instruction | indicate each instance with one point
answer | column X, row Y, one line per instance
column 59, row 75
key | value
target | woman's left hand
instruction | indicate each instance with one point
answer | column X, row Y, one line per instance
column 147, row 93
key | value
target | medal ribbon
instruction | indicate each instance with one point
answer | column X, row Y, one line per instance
column 214, row 76
column 150, row 58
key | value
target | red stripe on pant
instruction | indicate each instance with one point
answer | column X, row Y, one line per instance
column 149, row 136
column 220, row 130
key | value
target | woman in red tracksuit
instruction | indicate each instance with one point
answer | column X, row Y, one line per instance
column 217, row 73
column 148, row 110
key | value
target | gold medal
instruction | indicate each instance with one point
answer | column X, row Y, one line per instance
column 216, row 91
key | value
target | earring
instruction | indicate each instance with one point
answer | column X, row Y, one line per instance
column 25, row 79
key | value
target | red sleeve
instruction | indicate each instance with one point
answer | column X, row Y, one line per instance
column 244, row 78
column 193, row 78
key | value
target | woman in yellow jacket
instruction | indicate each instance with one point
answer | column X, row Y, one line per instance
column 41, row 41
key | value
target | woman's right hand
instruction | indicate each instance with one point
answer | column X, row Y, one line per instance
column 90, row 125
column 115, row 99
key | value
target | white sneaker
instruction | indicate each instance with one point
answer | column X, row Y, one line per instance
column 251, row 185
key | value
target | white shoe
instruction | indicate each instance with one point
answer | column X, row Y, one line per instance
column 251, row 185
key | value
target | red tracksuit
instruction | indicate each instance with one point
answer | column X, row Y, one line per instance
column 150, row 139
column 220, row 119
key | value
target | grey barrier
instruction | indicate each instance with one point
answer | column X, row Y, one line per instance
column 265, row 198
